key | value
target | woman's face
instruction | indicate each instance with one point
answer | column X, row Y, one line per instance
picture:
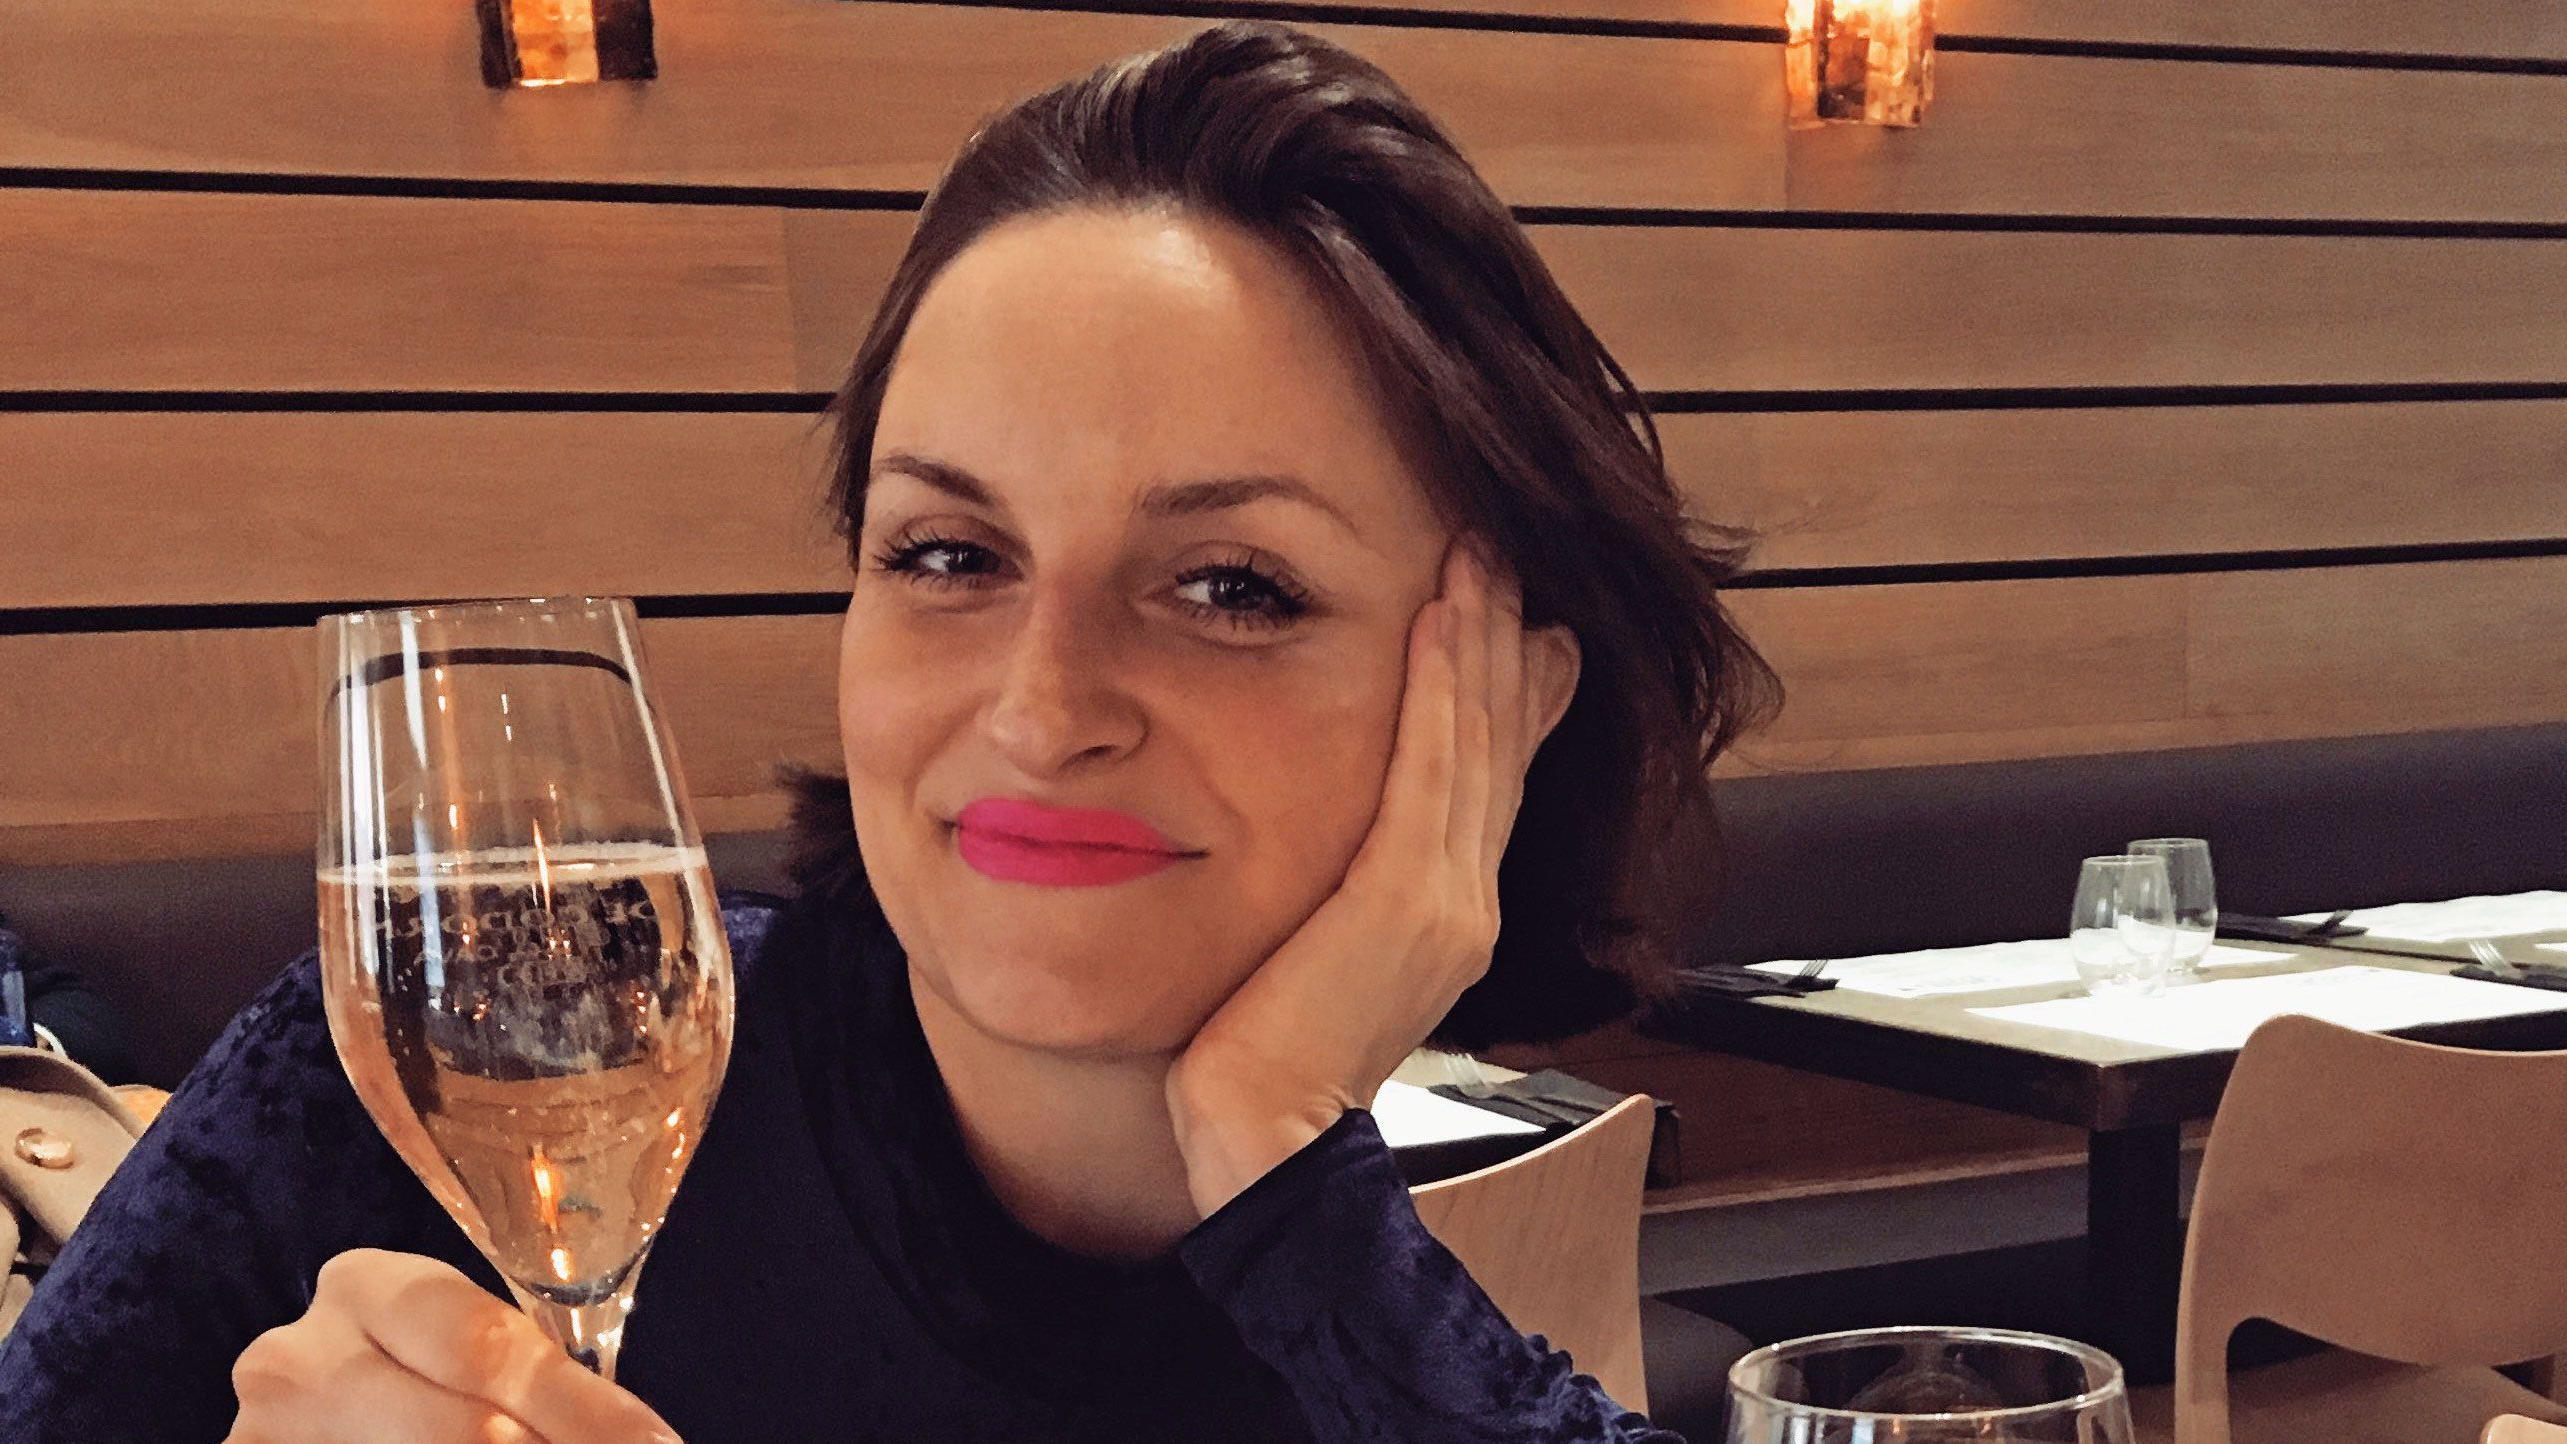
column 1137, row 540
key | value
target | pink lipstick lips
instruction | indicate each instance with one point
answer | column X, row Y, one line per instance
column 1017, row 841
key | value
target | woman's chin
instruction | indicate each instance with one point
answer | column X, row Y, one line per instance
column 1073, row 1011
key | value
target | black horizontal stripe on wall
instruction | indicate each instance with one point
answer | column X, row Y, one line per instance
column 180, row 617
column 845, row 199
column 2254, row 55
column 459, row 188
column 454, row 401
column 1497, row 17
column 245, row 616
column 2171, row 564
column 2028, row 398
column 1665, row 403
column 1675, row 217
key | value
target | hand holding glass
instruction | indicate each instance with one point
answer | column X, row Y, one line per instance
column 2196, row 904
column 2122, row 928
column 523, row 963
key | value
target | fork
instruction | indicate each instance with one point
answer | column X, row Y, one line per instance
column 2493, row 959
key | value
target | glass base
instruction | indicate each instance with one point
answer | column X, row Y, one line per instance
column 593, row 1334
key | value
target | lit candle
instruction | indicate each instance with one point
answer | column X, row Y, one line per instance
column 565, row 42
column 556, row 41
column 1858, row 60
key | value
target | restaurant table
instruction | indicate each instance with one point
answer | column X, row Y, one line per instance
column 2542, row 949
column 2131, row 1099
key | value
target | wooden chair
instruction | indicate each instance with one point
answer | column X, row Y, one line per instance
column 1553, row 1237
column 2515, row 1429
column 2390, row 1198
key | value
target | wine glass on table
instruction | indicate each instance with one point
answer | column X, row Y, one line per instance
column 2188, row 878
column 522, row 960
column 2121, row 930
column 1928, row 1386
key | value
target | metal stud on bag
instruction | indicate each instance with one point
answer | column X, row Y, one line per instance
column 46, row 1149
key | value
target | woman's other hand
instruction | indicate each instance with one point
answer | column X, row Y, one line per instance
column 1320, row 1024
column 399, row 1349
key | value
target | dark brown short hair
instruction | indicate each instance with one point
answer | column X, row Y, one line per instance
column 1527, row 433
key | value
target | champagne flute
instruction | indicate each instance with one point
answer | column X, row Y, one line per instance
column 2196, row 904
column 523, row 963
column 2122, row 927
column 1915, row 1385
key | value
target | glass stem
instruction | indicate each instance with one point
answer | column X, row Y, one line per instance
column 590, row 1333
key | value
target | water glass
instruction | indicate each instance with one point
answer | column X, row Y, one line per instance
column 2196, row 903
column 2122, row 930
column 1928, row 1385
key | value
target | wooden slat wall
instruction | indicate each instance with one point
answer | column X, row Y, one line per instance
column 153, row 291
column 2258, row 302
column 302, row 491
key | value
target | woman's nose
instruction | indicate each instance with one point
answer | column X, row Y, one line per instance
column 1058, row 701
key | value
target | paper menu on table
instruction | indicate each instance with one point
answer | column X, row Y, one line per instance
column 2459, row 919
column 1408, row 1115
column 1984, row 967
column 2217, row 1015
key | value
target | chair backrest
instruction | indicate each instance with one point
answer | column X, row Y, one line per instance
column 2515, row 1429
column 1553, row 1237
column 2390, row 1197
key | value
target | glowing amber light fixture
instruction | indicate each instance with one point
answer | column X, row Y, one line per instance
column 1858, row 60
column 563, row 42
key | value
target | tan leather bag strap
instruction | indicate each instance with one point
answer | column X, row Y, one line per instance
column 62, row 1133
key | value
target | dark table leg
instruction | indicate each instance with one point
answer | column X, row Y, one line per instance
column 2135, row 1246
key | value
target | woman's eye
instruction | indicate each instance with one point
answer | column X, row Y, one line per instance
column 1241, row 596
column 937, row 561
column 1235, row 594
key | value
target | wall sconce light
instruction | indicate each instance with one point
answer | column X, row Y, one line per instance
column 1870, row 61
column 561, row 42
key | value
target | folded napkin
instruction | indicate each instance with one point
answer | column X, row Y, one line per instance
column 1559, row 1102
column 2284, row 930
column 2528, row 976
column 1746, row 983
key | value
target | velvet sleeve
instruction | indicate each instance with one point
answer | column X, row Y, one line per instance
column 1383, row 1337
column 262, row 1166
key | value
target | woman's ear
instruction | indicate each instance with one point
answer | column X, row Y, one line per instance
column 1550, row 677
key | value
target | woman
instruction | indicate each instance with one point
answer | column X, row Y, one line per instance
column 1237, row 507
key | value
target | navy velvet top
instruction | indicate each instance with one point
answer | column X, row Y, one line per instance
column 833, row 1268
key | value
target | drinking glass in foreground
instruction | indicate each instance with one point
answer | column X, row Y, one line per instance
column 1927, row 1386
column 523, row 963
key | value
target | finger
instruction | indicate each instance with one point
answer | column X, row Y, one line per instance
column 1411, row 819
column 439, row 1325
column 394, row 1406
column 1466, row 832
column 1509, row 717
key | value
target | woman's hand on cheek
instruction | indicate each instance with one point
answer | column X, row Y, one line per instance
column 1320, row 1024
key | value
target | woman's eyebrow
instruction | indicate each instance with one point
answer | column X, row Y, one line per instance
column 1167, row 499
column 944, row 476
column 1185, row 498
